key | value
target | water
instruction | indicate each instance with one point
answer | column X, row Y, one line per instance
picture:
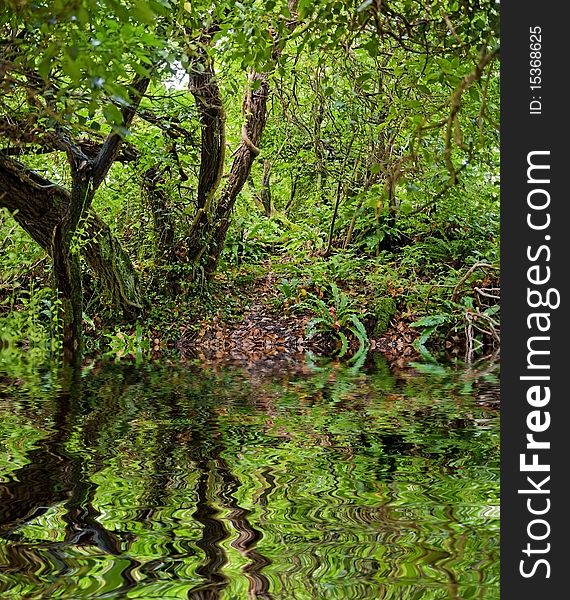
column 208, row 482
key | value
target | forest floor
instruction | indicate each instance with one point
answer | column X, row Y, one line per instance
column 262, row 329
column 280, row 308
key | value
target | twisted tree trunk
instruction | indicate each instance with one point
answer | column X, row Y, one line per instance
column 255, row 110
column 207, row 234
column 36, row 201
column 39, row 207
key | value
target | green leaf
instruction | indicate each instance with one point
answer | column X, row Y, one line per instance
column 44, row 68
column 312, row 326
column 305, row 7
column 360, row 330
column 430, row 320
column 427, row 333
column 72, row 70
column 344, row 344
column 143, row 11
column 112, row 114
column 372, row 47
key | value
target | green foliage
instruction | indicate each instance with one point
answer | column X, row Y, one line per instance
column 337, row 319
column 429, row 325
column 124, row 345
column 372, row 474
column 368, row 189
column 468, row 308
column 251, row 238
column 289, row 288
column 29, row 328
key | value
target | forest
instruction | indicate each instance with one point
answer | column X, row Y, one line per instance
column 249, row 299
column 166, row 166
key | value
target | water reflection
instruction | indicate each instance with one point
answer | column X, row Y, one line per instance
column 209, row 482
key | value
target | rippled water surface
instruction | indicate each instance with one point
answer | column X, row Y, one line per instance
column 311, row 482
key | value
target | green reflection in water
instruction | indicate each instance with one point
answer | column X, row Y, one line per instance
column 213, row 482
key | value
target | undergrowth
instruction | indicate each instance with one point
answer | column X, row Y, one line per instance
column 439, row 278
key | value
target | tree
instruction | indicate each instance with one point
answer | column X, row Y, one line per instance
column 88, row 80
column 45, row 104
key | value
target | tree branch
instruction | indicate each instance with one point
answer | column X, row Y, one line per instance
column 110, row 148
column 455, row 105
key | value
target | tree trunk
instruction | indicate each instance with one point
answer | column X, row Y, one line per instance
column 204, row 88
column 209, row 230
column 163, row 224
column 207, row 234
column 112, row 268
column 52, row 214
column 39, row 207
column 67, row 276
column 265, row 189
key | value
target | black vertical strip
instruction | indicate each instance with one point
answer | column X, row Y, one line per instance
column 534, row 120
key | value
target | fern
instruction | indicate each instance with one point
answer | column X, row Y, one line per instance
column 338, row 320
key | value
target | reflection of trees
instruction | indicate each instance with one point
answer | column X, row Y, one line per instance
column 212, row 468
column 216, row 485
column 58, row 475
column 54, row 474
column 188, row 443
